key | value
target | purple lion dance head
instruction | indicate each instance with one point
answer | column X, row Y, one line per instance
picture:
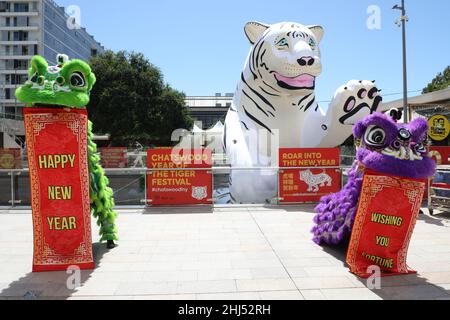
column 386, row 147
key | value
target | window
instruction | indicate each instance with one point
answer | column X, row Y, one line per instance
column 10, row 112
column 20, row 36
column 20, row 64
column 4, row 6
column 21, row 7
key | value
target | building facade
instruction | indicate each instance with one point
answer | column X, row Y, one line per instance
column 427, row 106
column 27, row 28
column 208, row 110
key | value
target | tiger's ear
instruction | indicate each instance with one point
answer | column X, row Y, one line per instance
column 254, row 31
column 317, row 31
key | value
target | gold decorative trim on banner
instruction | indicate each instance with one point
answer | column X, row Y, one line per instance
column 34, row 124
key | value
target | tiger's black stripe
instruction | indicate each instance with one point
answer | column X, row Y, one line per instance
column 256, row 62
column 256, row 120
column 257, row 105
column 270, row 94
column 245, row 125
column 310, row 104
column 271, row 87
column 258, row 94
column 303, row 99
column 252, row 63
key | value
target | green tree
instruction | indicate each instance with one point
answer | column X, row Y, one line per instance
column 131, row 102
column 442, row 81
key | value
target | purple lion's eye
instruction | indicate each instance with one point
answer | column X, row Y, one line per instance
column 397, row 144
column 375, row 136
column 420, row 148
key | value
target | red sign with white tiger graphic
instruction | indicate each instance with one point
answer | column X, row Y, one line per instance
column 314, row 173
column 179, row 177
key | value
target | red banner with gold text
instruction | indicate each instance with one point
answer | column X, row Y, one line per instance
column 386, row 218
column 309, row 184
column 181, row 187
column 59, row 179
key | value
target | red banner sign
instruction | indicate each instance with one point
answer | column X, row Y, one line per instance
column 59, row 179
column 181, row 187
column 309, row 184
column 440, row 154
column 10, row 159
column 114, row 157
column 387, row 214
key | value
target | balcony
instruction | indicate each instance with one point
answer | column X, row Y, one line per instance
column 12, row 71
column 14, row 57
column 19, row 42
column 19, row 14
column 9, row 101
column 19, row 28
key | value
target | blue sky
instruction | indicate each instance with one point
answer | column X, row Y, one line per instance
column 201, row 48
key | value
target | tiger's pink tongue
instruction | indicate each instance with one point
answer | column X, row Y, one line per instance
column 302, row 81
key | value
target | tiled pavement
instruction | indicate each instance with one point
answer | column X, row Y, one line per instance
column 231, row 254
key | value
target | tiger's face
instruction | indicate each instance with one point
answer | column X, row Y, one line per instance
column 285, row 55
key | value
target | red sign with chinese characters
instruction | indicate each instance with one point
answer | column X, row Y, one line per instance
column 59, row 180
column 310, row 184
column 179, row 187
column 440, row 154
column 10, row 159
column 386, row 218
column 114, row 157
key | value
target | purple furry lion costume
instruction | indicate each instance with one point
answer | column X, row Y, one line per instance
column 386, row 147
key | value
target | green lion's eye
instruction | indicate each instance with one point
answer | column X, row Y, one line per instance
column 282, row 44
column 60, row 80
column 34, row 77
column 312, row 43
column 78, row 80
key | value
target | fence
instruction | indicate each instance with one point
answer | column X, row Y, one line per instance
column 129, row 185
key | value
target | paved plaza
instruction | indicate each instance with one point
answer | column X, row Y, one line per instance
column 229, row 254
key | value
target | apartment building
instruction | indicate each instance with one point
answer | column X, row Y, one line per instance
column 29, row 27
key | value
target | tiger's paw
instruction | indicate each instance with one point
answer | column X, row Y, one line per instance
column 355, row 101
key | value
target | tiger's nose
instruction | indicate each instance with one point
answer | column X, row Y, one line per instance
column 306, row 61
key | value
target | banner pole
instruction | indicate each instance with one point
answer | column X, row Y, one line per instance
column 13, row 196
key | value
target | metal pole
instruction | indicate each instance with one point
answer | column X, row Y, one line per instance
column 13, row 196
column 405, row 71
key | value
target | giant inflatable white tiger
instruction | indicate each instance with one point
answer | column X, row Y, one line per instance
column 275, row 107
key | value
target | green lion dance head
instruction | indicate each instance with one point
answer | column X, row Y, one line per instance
column 67, row 84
